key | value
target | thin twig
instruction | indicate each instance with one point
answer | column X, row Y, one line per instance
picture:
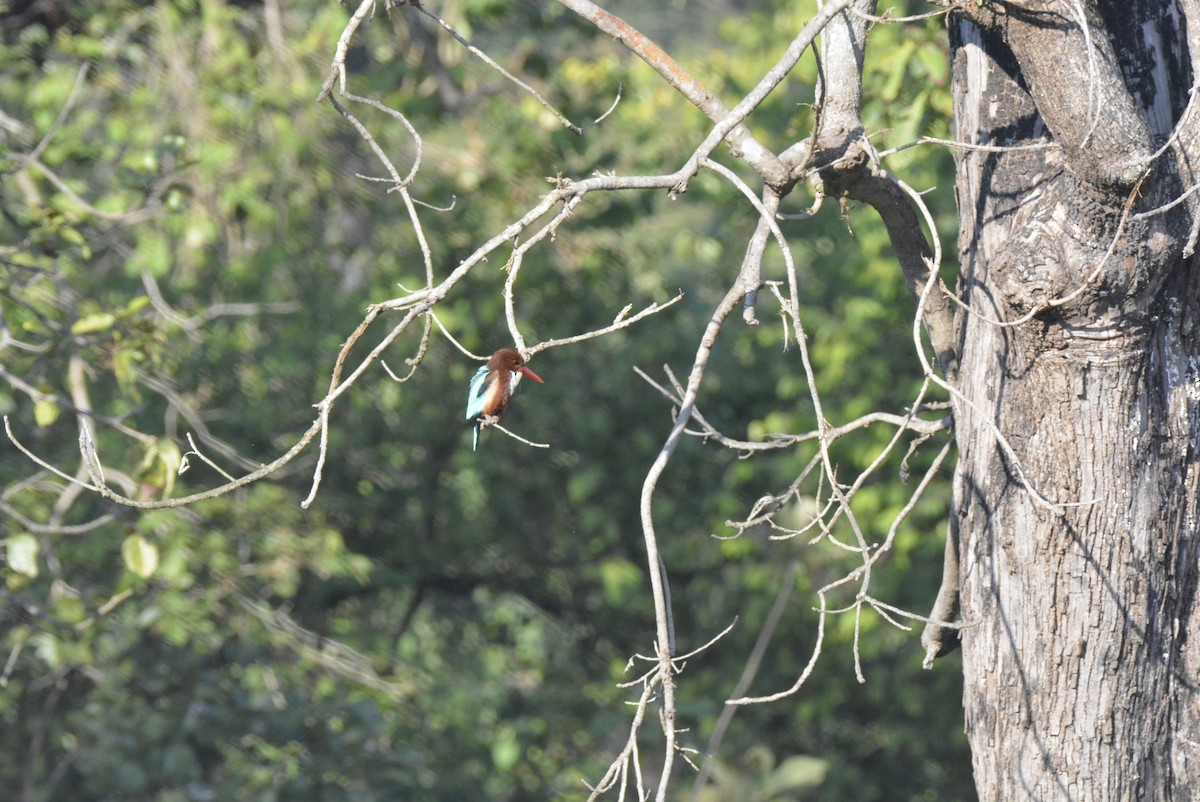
column 666, row 671
column 455, row 342
column 474, row 51
column 619, row 323
column 408, row 126
column 22, row 161
column 956, row 145
column 337, row 70
column 500, row 428
column 133, row 214
column 749, row 672
column 782, row 440
column 804, row 675
column 513, row 266
column 886, row 19
column 172, row 503
column 196, row 450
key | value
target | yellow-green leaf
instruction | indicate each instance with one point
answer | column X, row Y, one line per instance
column 171, row 458
column 97, row 321
column 124, row 363
column 140, row 556
column 135, row 305
column 506, row 749
column 21, row 553
column 45, row 411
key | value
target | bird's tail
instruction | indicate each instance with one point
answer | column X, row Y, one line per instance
column 475, row 438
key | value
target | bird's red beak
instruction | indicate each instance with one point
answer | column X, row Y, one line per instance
column 532, row 375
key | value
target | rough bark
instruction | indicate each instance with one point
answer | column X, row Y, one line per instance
column 1076, row 487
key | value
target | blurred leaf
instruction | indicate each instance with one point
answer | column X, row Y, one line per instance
column 136, row 304
column 124, row 363
column 793, row 774
column 170, row 457
column 619, row 578
column 506, row 749
column 21, row 553
column 140, row 556
column 97, row 321
column 45, row 411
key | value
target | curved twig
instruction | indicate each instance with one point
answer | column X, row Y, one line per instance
column 111, row 495
column 486, row 59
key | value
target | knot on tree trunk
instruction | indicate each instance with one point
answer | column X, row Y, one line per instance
column 1080, row 255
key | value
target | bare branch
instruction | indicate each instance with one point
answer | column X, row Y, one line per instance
column 337, row 70
column 892, row 20
column 808, row 668
column 618, row 771
column 330, row 653
column 499, row 428
column 479, row 54
column 749, row 672
column 55, row 525
column 1083, row 285
column 665, row 671
column 1009, row 453
column 196, row 421
column 618, row 323
column 455, row 342
column 782, row 440
column 950, row 143
column 196, row 450
column 514, row 265
column 23, row 161
column 412, row 131
column 134, row 214
column 108, row 493
column 728, row 121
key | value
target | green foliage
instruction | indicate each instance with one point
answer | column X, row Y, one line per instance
column 441, row 624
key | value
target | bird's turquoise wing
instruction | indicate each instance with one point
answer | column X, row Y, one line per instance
column 477, row 393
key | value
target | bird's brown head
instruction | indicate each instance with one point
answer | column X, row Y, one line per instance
column 512, row 361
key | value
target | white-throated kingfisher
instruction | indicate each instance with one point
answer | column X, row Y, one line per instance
column 493, row 387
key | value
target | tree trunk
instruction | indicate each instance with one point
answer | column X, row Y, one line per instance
column 1076, row 487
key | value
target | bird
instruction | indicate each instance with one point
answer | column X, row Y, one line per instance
column 493, row 387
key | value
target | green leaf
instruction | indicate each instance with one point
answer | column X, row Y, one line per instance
column 75, row 238
column 21, row 552
column 97, row 321
column 140, row 556
column 136, row 304
column 124, row 364
column 45, row 411
column 505, row 749
column 171, row 458
column 153, row 255
column 793, row 774
column 618, row 576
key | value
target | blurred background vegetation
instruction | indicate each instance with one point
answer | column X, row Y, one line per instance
column 184, row 249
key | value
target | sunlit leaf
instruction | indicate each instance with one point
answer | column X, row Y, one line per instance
column 171, row 459
column 140, row 556
column 135, row 305
column 97, row 321
column 124, row 364
column 45, row 411
column 505, row 749
column 21, row 553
